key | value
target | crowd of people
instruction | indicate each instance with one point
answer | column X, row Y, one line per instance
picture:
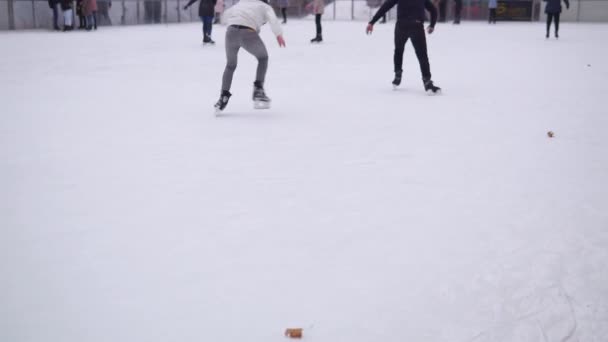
column 86, row 11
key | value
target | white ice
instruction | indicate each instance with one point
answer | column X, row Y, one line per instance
column 128, row 212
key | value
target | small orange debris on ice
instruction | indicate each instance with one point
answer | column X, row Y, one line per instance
column 293, row 332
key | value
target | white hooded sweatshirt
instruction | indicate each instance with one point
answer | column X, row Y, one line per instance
column 253, row 14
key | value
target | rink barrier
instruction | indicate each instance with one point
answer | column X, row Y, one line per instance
column 36, row 14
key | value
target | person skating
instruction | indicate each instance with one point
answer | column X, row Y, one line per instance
column 54, row 6
column 244, row 22
column 82, row 20
column 553, row 9
column 457, row 11
column 410, row 25
column 318, row 8
column 283, row 4
column 206, row 11
column 90, row 12
column 66, row 7
column 492, row 5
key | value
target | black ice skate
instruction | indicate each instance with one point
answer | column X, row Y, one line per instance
column 260, row 100
column 207, row 40
column 556, row 35
column 317, row 39
column 222, row 102
column 547, row 36
column 430, row 88
column 397, row 80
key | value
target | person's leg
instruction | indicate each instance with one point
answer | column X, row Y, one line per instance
column 56, row 16
column 490, row 16
column 318, row 25
column 209, row 21
column 253, row 44
column 419, row 42
column 556, row 25
column 549, row 19
column 400, row 40
column 94, row 15
column 67, row 19
column 233, row 44
column 203, row 27
column 494, row 15
column 284, row 13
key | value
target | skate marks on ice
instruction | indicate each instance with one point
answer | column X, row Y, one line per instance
column 540, row 296
column 251, row 115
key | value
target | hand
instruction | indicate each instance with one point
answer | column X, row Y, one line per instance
column 369, row 29
column 185, row 8
column 430, row 29
column 281, row 41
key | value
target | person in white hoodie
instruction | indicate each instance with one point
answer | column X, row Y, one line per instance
column 244, row 22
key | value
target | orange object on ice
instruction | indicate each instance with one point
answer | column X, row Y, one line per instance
column 293, row 332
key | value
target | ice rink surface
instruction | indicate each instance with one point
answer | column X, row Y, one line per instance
column 128, row 212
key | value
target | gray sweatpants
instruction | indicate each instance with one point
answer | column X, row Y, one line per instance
column 249, row 40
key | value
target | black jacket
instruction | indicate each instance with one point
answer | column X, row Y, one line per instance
column 408, row 11
column 206, row 8
column 555, row 6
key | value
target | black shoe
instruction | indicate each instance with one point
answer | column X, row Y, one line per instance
column 430, row 88
column 317, row 39
column 556, row 35
column 223, row 101
column 397, row 80
column 68, row 28
column 547, row 35
column 208, row 40
column 260, row 100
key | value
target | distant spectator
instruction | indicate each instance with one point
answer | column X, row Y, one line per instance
column 219, row 9
column 54, row 5
column 318, row 8
column 68, row 13
column 82, row 20
column 553, row 10
column 152, row 11
column 103, row 12
column 206, row 10
column 492, row 5
column 90, row 11
column 283, row 4
column 442, row 7
column 457, row 11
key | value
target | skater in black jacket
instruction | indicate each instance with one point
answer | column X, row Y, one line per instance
column 410, row 25
column 553, row 10
column 206, row 11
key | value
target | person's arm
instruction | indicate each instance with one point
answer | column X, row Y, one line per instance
column 275, row 26
column 567, row 4
column 433, row 11
column 190, row 3
column 386, row 6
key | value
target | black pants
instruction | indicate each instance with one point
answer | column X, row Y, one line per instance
column 457, row 10
column 492, row 18
column 442, row 10
column 284, row 12
column 549, row 18
column 415, row 32
column 318, row 24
